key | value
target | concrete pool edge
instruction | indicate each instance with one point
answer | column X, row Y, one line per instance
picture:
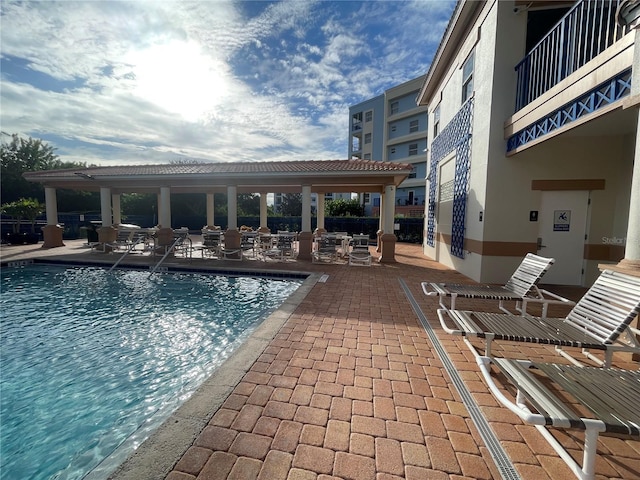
column 157, row 455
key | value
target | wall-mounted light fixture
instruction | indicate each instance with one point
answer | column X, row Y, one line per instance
column 628, row 14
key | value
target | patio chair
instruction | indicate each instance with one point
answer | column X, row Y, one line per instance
column 359, row 253
column 599, row 321
column 248, row 243
column 521, row 288
column 326, row 249
column 607, row 399
column 124, row 241
column 268, row 247
column 286, row 244
column 211, row 243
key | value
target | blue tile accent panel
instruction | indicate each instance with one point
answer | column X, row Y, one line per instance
column 604, row 94
column 455, row 136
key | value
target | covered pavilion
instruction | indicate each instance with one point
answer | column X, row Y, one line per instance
column 305, row 177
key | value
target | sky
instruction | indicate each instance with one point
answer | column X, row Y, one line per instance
column 150, row 82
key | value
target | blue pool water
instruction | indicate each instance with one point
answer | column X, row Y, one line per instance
column 91, row 360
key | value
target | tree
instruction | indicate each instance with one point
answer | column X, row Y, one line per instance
column 248, row 205
column 28, row 208
column 344, row 208
column 28, row 155
column 291, row 205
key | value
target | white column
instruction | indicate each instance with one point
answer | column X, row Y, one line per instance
column 320, row 213
column 389, row 208
column 51, row 204
column 105, row 206
column 306, row 208
column 264, row 209
column 115, row 205
column 210, row 209
column 632, row 250
column 232, row 207
column 164, row 207
column 383, row 202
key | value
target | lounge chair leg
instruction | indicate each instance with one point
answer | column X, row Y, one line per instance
column 590, row 451
column 487, row 348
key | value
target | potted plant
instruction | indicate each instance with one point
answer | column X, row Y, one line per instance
column 28, row 208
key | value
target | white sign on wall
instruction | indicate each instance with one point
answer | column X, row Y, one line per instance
column 561, row 220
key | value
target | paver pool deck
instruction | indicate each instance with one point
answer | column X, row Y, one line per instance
column 344, row 382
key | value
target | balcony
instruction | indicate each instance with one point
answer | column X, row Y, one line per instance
column 586, row 31
column 580, row 70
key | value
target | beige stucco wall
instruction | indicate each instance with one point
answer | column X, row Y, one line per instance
column 500, row 186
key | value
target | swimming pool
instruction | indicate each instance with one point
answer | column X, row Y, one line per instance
column 92, row 360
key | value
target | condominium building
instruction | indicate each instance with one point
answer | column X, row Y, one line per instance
column 392, row 127
column 533, row 139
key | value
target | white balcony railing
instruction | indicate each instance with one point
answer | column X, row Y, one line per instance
column 583, row 33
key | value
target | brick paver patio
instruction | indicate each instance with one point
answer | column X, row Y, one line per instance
column 351, row 388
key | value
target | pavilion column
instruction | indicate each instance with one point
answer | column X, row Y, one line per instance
column 380, row 223
column 211, row 210
column 106, row 233
column 164, row 207
column 105, row 206
column 115, row 205
column 264, row 209
column 320, row 215
column 51, row 232
column 232, row 236
column 305, row 238
column 388, row 238
column 164, row 234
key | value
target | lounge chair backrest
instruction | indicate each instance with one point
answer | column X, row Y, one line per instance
column 211, row 238
column 527, row 275
column 360, row 242
column 608, row 307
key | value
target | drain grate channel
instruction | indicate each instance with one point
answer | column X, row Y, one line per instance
column 500, row 457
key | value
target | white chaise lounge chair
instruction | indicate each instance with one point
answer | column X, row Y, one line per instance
column 599, row 321
column 610, row 395
column 359, row 253
column 521, row 288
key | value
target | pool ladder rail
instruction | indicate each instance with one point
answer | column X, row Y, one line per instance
column 131, row 247
column 178, row 241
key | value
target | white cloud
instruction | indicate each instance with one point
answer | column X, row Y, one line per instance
column 146, row 82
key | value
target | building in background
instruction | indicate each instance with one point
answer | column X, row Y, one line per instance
column 533, row 116
column 392, row 127
column 277, row 199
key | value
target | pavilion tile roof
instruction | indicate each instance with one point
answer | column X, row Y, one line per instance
column 306, row 166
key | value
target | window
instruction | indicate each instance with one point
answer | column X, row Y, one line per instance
column 328, row 196
column 436, row 121
column 393, row 128
column 395, row 108
column 367, row 156
column 367, row 138
column 413, row 149
column 366, row 198
column 413, row 174
column 467, row 78
column 356, row 121
column 368, row 116
column 413, row 126
column 393, row 150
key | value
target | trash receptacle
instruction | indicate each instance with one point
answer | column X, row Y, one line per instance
column 92, row 231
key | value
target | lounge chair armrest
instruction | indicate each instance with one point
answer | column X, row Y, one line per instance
column 558, row 299
column 519, row 409
column 433, row 289
column 453, row 316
